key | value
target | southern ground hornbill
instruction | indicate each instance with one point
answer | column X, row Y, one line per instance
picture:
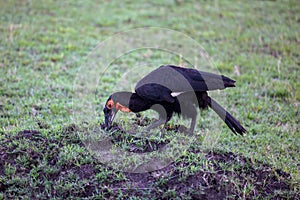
column 171, row 89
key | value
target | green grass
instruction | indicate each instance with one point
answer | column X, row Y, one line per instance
column 44, row 44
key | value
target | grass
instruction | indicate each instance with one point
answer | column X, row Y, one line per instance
column 45, row 45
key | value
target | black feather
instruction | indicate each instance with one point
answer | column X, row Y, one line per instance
column 154, row 91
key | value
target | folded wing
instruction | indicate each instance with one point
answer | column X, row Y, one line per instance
column 160, row 83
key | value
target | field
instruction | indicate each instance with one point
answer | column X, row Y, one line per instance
column 60, row 60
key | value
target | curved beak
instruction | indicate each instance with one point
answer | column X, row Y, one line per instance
column 109, row 115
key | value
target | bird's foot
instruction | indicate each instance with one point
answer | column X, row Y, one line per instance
column 155, row 124
column 184, row 129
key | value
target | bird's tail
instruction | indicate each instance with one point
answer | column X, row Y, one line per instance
column 230, row 121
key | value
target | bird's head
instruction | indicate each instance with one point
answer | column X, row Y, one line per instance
column 115, row 102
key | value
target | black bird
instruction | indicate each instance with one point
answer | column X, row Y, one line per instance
column 171, row 89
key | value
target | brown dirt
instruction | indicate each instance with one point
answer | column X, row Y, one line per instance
column 218, row 183
column 141, row 145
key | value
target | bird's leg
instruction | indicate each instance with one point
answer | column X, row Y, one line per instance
column 193, row 124
column 155, row 124
column 162, row 119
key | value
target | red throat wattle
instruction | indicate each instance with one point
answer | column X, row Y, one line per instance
column 110, row 104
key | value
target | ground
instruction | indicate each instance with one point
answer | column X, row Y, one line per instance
column 43, row 46
column 214, row 175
